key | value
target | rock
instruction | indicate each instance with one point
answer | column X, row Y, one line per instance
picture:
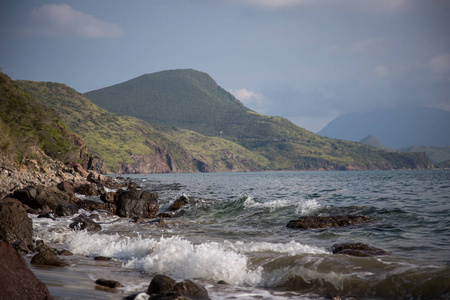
column 164, row 215
column 17, row 280
column 191, row 289
column 66, row 186
column 78, row 168
column 40, row 197
column 102, row 258
column 15, row 225
column 83, row 222
column 161, row 284
column 164, row 287
column 47, row 258
column 65, row 252
column 137, row 296
column 108, row 283
column 109, row 197
column 324, row 222
column 357, row 249
column 180, row 202
column 91, row 205
column 137, row 203
column 87, row 189
column 64, row 209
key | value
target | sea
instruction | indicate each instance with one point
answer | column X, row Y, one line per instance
column 234, row 230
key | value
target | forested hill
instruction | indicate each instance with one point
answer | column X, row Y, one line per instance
column 192, row 100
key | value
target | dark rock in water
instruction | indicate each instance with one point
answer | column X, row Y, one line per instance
column 357, row 249
column 87, row 189
column 83, row 222
column 44, row 214
column 164, row 287
column 137, row 296
column 65, row 252
column 17, row 281
column 15, row 225
column 137, row 203
column 164, row 215
column 324, row 222
column 161, row 284
column 108, row 283
column 91, row 205
column 64, row 209
column 109, row 197
column 180, row 202
column 102, row 258
column 223, row 282
column 191, row 289
column 159, row 223
column 47, row 258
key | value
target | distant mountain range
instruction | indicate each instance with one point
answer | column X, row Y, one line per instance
column 395, row 128
column 183, row 121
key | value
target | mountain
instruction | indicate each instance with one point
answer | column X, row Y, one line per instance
column 370, row 140
column 438, row 155
column 29, row 130
column 130, row 145
column 395, row 128
column 192, row 100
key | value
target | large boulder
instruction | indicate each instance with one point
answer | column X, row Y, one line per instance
column 17, row 281
column 40, row 197
column 15, row 225
column 357, row 249
column 312, row 222
column 137, row 203
column 164, row 287
column 177, row 204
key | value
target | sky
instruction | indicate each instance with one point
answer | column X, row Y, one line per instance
column 306, row 60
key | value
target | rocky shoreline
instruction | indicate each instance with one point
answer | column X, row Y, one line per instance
column 54, row 191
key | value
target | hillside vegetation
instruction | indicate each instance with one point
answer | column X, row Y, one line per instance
column 28, row 127
column 192, row 100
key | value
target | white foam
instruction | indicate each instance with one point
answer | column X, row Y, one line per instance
column 307, row 207
column 271, row 205
column 291, row 248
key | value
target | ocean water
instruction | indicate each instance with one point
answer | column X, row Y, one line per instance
column 234, row 229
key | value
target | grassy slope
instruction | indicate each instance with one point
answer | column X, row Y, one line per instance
column 26, row 124
column 120, row 139
column 192, row 100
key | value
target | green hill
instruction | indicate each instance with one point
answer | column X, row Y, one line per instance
column 192, row 100
column 129, row 145
column 374, row 142
column 28, row 127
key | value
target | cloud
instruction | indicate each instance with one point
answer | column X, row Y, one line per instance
column 62, row 20
column 368, row 5
column 251, row 99
column 439, row 64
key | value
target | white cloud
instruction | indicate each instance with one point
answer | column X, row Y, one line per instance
column 62, row 20
column 252, row 100
column 381, row 71
column 440, row 64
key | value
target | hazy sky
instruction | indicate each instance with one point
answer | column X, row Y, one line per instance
column 306, row 60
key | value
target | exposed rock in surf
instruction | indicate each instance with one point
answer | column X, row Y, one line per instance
column 87, row 189
column 90, row 205
column 65, row 252
column 64, row 209
column 40, row 197
column 102, row 258
column 180, row 202
column 164, row 215
column 137, row 203
column 311, row 222
column 47, row 258
column 164, row 287
column 357, row 249
column 108, row 283
column 109, row 197
column 15, row 225
column 83, row 222
column 17, row 280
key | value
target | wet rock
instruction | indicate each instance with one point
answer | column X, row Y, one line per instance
column 223, row 282
column 141, row 204
column 65, row 252
column 164, row 287
column 108, row 283
column 102, row 258
column 17, row 280
column 91, row 205
column 47, row 258
column 45, row 214
column 330, row 221
column 109, row 197
column 158, row 223
column 65, row 209
column 138, row 296
column 180, row 202
column 164, row 215
column 15, row 225
column 83, row 222
column 87, row 189
column 357, row 249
